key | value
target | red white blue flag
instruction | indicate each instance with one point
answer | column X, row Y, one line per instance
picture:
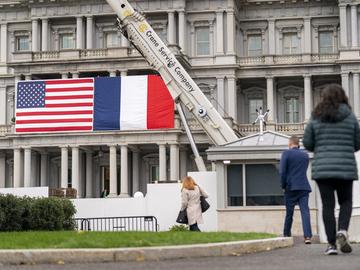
column 87, row 104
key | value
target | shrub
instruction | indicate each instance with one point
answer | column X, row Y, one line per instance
column 24, row 213
column 178, row 228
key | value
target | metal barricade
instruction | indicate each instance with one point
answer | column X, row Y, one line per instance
column 110, row 224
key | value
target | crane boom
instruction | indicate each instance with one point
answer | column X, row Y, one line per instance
column 181, row 86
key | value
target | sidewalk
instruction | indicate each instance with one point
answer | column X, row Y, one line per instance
column 61, row 256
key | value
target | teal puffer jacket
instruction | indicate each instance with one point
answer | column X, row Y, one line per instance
column 334, row 144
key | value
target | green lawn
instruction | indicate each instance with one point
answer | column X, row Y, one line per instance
column 71, row 239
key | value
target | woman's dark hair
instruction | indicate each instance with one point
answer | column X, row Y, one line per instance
column 331, row 97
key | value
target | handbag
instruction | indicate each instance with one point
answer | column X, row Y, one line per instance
column 182, row 217
column 204, row 204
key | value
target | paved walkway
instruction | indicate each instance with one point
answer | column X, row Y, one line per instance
column 299, row 257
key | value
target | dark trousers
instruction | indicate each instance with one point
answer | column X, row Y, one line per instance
column 343, row 190
column 292, row 198
column 194, row 227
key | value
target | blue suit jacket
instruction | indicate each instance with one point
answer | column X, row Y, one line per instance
column 293, row 166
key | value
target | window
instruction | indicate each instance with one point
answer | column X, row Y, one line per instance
column 292, row 110
column 253, row 105
column 162, row 33
column 202, row 41
column 235, row 185
column 112, row 40
column 262, row 182
column 22, row 43
column 154, row 173
column 254, row 45
column 67, row 41
column 326, row 44
column 291, row 43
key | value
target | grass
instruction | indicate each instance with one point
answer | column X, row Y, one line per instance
column 71, row 239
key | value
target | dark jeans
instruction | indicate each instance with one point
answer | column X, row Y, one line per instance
column 343, row 190
column 292, row 198
column 194, row 227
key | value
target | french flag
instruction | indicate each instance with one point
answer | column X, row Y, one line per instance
column 132, row 103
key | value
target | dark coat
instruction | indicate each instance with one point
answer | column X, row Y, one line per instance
column 293, row 166
column 334, row 144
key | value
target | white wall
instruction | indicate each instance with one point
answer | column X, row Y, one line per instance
column 162, row 201
column 30, row 192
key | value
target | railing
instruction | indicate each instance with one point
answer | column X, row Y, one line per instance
column 251, row 60
column 93, row 53
column 324, row 57
column 134, row 223
column 47, row 55
column 290, row 128
column 288, row 59
column 248, row 128
column 4, row 129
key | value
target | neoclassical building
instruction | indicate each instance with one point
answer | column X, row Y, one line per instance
column 243, row 54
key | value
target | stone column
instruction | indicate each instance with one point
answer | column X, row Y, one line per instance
column 44, row 34
column 271, row 23
column 27, row 167
column 28, row 77
column 136, row 170
column 113, row 172
column 124, row 186
column 75, row 75
column 3, row 105
column 79, row 33
column 343, row 25
column 356, row 85
column 44, row 181
column 345, row 82
column 232, row 97
column 89, row 174
column 64, row 167
column 182, row 30
column 124, row 41
column 307, row 34
column 162, row 162
column 112, row 73
column 17, row 167
column 64, row 75
column 4, row 43
column 307, row 96
column 174, row 162
column 35, row 35
column 220, row 32
column 2, row 170
column 89, row 32
column 220, row 95
column 171, row 28
column 230, row 19
column 123, row 73
column 270, row 98
column 354, row 25
column 75, row 181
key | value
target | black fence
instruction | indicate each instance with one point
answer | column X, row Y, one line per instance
column 111, row 224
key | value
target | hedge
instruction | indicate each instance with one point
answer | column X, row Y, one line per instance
column 25, row 213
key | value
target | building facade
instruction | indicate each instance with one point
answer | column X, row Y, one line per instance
column 243, row 54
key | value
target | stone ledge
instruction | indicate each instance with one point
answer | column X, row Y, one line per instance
column 61, row 256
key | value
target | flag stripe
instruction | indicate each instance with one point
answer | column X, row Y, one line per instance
column 58, row 129
column 42, row 121
column 69, row 105
column 44, row 125
column 133, row 103
column 160, row 105
column 68, row 97
column 70, row 93
column 71, row 81
column 50, row 117
column 68, row 89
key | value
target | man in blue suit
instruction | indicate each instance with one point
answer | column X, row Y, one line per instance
column 293, row 166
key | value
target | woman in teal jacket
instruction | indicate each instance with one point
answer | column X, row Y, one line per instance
column 333, row 135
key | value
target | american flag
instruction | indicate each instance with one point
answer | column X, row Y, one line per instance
column 55, row 105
